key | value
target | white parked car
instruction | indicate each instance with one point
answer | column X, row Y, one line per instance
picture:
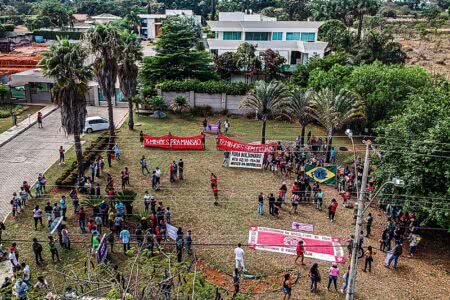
column 95, row 124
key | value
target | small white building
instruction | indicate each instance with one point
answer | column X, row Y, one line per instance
column 151, row 23
column 104, row 18
column 294, row 40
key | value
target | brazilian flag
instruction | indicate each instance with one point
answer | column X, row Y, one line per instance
column 326, row 175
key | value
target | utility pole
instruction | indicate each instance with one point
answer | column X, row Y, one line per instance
column 358, row 226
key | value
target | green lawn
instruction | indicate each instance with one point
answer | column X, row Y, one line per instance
column 6, row 123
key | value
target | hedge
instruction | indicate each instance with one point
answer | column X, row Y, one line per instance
column 207, row 87
column 52, row 35
column 69, row 176
column 8, row 27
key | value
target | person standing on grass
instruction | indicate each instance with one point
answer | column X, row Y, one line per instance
column 395, row 255
column 346, row 277
column 95, row 243
column 146, row 201
column 236, row 282
column 239, row 256
column 18, row 202
column 158, row 177
column 261, row 204
column 333, row 274
column 314, row 275
column 26, row 272
column 116, row 151
column 61, row 155
column 368, row 259
column 287, row 287
column 39, row 120
column 181, row 169
column 189, row 242
column 168, row 215
column 14, row 261
column 369, row 224
column 49, row 213
column 283, row 190
column 141, row 138
column 216, row 195
column 414, row 240
column 37, row 216
column 144, row 167
column 27, row 188
column 271, row 200
column 53, row 249
column 179, row 245
column 23, row 196
column 171, row 176
column 300, row 252
column 82, row 220
column 125, row 237
column 295, row 200
column 21, row 288
column 319, row 200
column 2, row 227
column 37, row 251
column 109, row 154
column 332, row 209
column 205, row 125
column 14, row 118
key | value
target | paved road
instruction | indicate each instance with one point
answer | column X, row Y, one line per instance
column 35, row 150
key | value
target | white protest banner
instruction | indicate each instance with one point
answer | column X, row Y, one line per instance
column 246, row 160
column 302, row 226
column 172, row 232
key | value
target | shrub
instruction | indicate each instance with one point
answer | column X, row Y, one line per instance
column 179, row 104
column 157, row 103
column 8, row 27
column 207, row 87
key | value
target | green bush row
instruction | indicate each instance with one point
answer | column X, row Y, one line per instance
column 69, row 176
column 52, row 35
column 8, row 27
column 5, row 110
column 207, row 87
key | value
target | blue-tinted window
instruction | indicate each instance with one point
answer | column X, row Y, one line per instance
column 231, row 35
column 308, row 36
column 277, row 36
column 257, row 36
column 293, row 36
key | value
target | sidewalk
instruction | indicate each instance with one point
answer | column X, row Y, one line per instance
column 11, row 133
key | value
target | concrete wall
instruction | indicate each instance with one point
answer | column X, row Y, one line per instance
column 218, row 102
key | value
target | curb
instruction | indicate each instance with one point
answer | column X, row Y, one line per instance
column 20, row 131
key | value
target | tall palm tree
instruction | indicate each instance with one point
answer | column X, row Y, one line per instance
column 105, row 44
column 298, row 108
column 65, row 63
column 128, row 70
column 266, row 98
column 333, row 110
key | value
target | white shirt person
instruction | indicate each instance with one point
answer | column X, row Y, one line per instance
column 239, row 255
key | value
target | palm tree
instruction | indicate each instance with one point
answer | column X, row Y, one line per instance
column 266, row 98
column 105, row 44
column 128, row 70
column 65, row 63
column 333, row 110
column 298, row 108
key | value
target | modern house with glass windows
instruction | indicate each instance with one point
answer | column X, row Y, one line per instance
column 295, row 41
column 151, row 24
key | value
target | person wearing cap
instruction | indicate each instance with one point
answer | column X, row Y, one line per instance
column 333, row 274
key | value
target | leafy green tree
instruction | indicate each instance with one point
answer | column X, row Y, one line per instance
column 336, row 34
column 37, row 22
column 335, row 78
column 385, row 88
column 267, row 98
column 334, row 109
column 65, row 62
column 226, row 65
column 360, row 8
column 105, row 44
column 176, row 57
column 272, row 62
column 58, row 13
column 415, row 147
column 379, row 46
column 295, row 9
column 128, row 70
column 247, row 61
column 323, row 10
column 297, row 107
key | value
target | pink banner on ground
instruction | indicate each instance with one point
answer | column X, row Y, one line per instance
column 283, row 241
column 302, row 226
column 227, row 144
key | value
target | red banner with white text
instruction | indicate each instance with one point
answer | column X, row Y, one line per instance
column 227, row 144
column 174, row 142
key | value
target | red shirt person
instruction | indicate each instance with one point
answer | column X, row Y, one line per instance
column 332, row 209
column 300, row 252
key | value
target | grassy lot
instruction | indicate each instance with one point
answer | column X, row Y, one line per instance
column 6, row 123
column 192, row 208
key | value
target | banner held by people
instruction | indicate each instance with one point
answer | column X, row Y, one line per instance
column 325, row 175
column 246, row 160
column 283, row 241
column 170, row 141
column 227, row 144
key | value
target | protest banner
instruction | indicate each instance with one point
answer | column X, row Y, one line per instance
column 246, row 160
column 302, row 226
column 102, row 249
column 171, row 231
column 56, row 222
column 283, row 241
column 174, row 142
column 227, row 144
column 212, row 128
column 326, row 175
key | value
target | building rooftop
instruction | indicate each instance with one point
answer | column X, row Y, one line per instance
column 275, row 45
column 253, row 25
column 106, row 16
